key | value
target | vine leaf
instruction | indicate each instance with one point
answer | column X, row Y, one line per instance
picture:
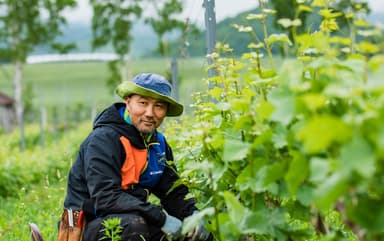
column 330, row 190
column 283, row 101
column 235, row 150
column 358, row 156
column 323, row 131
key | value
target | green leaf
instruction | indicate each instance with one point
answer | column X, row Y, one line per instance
column 284, row 103
column 330, row 190
column 285, row 22
column 321, row 132
column 263, row 221
column 273, row 38
column 240, row 104
column 269, row 11
column 254, row 16
column 314, row 101
column 242, row 28
column 279, row 136
column 376, row 62
column 236, row 210
column 257, row 179
column 304, row 8
column 229, row 230
column 329, row 13
column 223, row 106
column 358, row 156
column 215, row 92
column 297, row 172
column 265, row 109
column 246, row 179
column 275, row 172
column 250, row 176
column 319, row 3
column 319, row 168
column 305, row 195
column 243, row 122
column 361, row 23
column 267, row 74
column 235, row 150
column 367, row 212
column 367, row 47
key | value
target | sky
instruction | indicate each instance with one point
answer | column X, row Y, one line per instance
column 195, row 12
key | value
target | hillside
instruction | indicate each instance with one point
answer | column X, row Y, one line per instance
column 81, row 34
column 145, row 41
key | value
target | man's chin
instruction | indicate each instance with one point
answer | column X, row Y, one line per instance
column 146, row 130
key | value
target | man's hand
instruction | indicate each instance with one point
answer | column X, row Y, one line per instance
column 172, row 226
column 199, row 234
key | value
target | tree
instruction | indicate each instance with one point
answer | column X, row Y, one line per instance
column 113, row 20
column 165, row 22
column 26, row 24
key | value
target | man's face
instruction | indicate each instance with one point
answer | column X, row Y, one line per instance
column 146, row 113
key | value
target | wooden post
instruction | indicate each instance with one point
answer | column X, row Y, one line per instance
column 43, row 121
column 175, row 78
column 210, row 24
column 55, row 120
column 93, row 112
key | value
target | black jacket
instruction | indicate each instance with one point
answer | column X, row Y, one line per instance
column 95, row 176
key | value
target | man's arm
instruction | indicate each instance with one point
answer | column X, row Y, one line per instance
column 174, row 201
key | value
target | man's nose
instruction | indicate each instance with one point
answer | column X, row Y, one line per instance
column 149, row 110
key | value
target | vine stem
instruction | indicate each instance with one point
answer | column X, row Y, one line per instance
column 265, row 31
column 215, row 208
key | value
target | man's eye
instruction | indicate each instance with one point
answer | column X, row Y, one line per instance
column 160, row 105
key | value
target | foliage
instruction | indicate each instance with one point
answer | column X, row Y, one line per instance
column 22, row 170
column 166, row 23
column 297, row 13
column 113, row 21
column 293, row 20
column 112, row 229
column 293, row 153
column 33, row 183
column 274, row 151
column 27, row 24
column 24, row 25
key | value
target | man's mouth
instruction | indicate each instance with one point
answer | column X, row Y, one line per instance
column 146, row 122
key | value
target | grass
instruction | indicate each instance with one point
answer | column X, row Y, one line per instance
column 85, row 82
column 42, row 205
column 63, row 84
column 38, row 178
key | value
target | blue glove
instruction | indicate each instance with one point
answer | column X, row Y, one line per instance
column 199, row 233
column 172, row 226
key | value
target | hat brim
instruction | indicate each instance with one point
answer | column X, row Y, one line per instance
column 128, row 88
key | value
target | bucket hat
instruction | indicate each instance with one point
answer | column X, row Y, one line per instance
column 153, row 86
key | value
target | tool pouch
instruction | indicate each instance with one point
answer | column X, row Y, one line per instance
column 71, row 226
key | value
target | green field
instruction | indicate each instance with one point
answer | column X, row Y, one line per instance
column 85, row 82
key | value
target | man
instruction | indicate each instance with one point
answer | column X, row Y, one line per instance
column 121, row 162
